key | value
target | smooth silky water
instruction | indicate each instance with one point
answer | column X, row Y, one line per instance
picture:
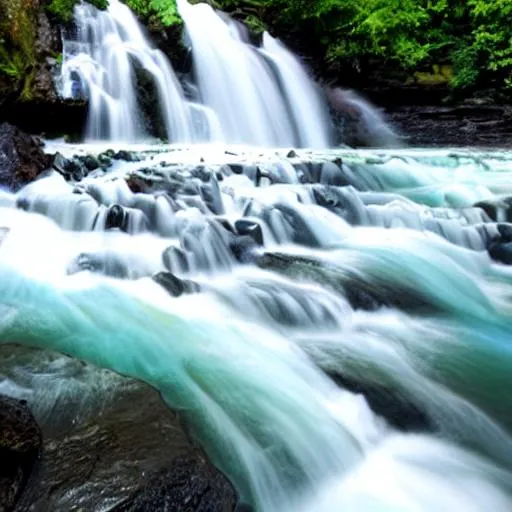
column 333, row 325
column 244, row 357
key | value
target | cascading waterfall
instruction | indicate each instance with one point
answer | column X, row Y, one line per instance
column 108, row 50
column 99, row 64
column 279, row 102
column 238, row 283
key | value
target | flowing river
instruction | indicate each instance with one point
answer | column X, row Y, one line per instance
column 239, row 280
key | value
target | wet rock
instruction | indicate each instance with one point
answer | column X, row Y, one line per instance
column 463, row 124
column 122, row 450
column 211, row 195
column 243, row 248
column 20, row 443
column 225, row 170
column 501, row 252
column 76, row 170
column 498, row 210
column 136, row 184
column 116, row 218
column 360, row 291
column 71, row 169
column 105, row 263
column 104, row 160
column 192, row 485
column 91, row 162
column 399, row 411
column 147, row 100
column 22, row 158
column 128, row 156
column 505, row 231
column 175, row 260
column 297, row 226
column 202, row 172
column 302, row 172
column 60, row 163
column 330, row 174
column 250, row 228
column 342, row 203
column 358, row 122
column 174, row 285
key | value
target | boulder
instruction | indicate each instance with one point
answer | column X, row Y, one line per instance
column 20, row 443
column 192, row 485
column 22, row 158
column 110, row 443
column 174, row 285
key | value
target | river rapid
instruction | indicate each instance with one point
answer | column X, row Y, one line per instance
column 333, row 326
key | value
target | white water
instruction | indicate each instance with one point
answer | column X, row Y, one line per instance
column 361, row 120
column 418, row 314
column 279, row 102
column 98, row 64
column 245, row 95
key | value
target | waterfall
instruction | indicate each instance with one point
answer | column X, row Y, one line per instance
column 332, row 326
column 308, row 112
column 280, row 104
column 100, row 58
column 245, row 95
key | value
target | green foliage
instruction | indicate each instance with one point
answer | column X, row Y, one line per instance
column 63, row 9
column 473, row 36
column 157, row 12
column 11, row 64
column 17, row 40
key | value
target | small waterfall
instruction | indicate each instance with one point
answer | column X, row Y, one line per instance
column 261, row 96
column 99, row 63
column 362, row 125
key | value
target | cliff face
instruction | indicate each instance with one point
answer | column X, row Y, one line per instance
column 30, row 49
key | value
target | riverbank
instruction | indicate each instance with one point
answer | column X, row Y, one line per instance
column 463, row 125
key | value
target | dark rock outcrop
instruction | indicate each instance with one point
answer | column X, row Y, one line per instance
column 22, row 158
column 192, row 485
column 20, row 443
column 456, row 125
column 30, row 99
column 110, row 443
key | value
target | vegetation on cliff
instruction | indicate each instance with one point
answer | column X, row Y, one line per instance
column 21, row 47
column 157, row 12
column 17, row 39
column 63, row 9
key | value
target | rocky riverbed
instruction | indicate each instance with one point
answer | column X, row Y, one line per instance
column 101, row 442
